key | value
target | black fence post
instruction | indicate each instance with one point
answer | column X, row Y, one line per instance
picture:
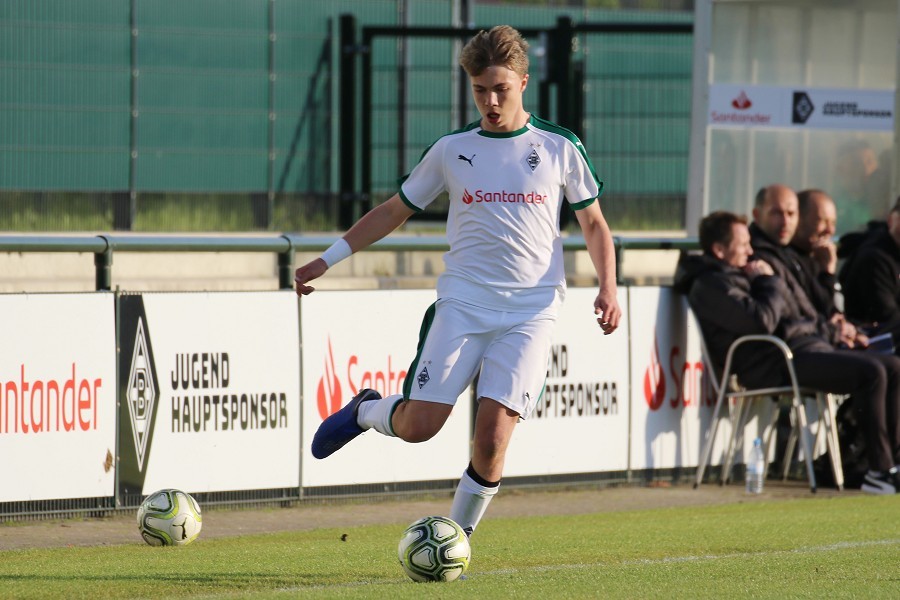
column 261, row 207
column 564, row 35
column 545, row 74
column 577, row 100
column 103, row 270
column 347, row 142
column 364, row 199
column 123, row 210
column 562, row 72
column 285, row 267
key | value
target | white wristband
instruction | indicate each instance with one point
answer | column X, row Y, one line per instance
column 337, row 252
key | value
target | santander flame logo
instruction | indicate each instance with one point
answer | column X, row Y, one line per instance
column 654, row 379
column 467, row 197
column 742, row 102
column 328, row 394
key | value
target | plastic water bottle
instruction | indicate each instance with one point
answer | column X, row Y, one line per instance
column 756, row 466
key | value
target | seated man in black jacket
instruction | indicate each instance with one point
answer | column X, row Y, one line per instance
column 732, row 297
column 871, row 279
column 776, row 217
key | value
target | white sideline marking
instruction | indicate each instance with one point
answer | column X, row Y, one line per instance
column 576, row 567
column 697, row 558
column 642, row 561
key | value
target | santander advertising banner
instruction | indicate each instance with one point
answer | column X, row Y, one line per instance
column 672, row 400
column 367, row 339
column 57, row 396
column 790, row 107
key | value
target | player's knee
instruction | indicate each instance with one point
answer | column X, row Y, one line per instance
column 490, row 448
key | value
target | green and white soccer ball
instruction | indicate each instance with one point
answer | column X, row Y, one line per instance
column 169, row 518
column 434, row 549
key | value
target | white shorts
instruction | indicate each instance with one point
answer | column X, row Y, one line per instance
column 508, row 351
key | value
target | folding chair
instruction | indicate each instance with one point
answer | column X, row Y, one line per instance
column 728, row 388
column 826, row 406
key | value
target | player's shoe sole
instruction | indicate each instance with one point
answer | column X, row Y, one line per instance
column 339, row 429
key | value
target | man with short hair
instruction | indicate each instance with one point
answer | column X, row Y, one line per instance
column 732, row 297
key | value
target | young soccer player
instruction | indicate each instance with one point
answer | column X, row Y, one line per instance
column 507, row 175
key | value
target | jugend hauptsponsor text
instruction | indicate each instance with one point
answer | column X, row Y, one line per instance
column 218, row 408
column 574, row 399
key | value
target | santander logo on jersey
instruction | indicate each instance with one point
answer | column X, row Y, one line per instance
column 342, row 379
column 483, row 196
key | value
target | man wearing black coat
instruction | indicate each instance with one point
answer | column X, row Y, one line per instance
column 871, row 279
column 776, row 217
column 732, row 297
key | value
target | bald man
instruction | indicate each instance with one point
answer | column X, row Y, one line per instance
column 814, row 244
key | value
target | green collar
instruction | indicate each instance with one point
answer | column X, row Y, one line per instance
column 506, row 134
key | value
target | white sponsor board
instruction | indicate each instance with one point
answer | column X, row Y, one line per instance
column 671, row 402
column 228, row 415
column 57, row 396
column 581, row 422
column 751, row 106
column 354, row 340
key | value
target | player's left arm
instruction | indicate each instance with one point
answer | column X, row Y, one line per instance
column 599, row 241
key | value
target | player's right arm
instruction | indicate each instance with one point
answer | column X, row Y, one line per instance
column 374, row 225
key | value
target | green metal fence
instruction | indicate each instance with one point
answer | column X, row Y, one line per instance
column 221, row 115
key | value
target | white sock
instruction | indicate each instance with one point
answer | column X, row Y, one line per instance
column 471, row 500
column 376, row 414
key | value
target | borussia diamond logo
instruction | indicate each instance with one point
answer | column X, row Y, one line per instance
column 141, row 394
column 533, row 159
column 803, row 108
column 423, row 377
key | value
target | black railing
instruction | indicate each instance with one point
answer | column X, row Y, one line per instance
column 285, row 246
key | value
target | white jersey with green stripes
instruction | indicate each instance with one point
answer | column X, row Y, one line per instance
column 506, row 191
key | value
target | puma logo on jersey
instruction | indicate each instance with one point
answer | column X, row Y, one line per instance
column 468, row 160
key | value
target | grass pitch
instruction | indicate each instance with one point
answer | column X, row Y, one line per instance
column 824, row 547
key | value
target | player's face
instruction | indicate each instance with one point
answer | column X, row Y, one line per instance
column 498, row 96
column 778, row 216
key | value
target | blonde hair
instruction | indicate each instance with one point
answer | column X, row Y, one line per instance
column 502, row 46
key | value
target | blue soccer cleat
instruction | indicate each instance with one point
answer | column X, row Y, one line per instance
column 340, row 428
